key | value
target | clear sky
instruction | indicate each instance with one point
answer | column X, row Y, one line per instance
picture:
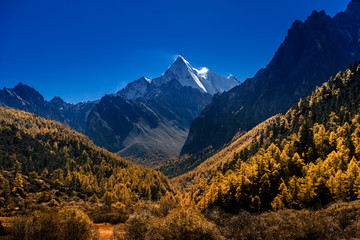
column 82, row 49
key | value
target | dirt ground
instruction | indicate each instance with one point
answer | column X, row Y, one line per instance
column 105, row 230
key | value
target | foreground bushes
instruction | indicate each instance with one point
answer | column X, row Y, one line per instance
column 338, row 221
column 183, row 224
column 162, row 221
column 166, row 220
column 151, row 221
column 67, row 224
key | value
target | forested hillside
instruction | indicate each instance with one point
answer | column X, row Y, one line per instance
column 308, row 157
column 37, row 152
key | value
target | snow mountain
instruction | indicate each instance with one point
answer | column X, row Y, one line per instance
column 205, row 80
column 151, row 118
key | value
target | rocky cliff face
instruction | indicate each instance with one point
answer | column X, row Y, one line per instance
column 313, row 51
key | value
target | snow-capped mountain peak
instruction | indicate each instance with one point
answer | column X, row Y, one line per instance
column 136, row 89
column 181, row 71
column 204, row 80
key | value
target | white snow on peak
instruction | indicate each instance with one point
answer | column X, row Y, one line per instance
column 202, row 71
column 181, row 71
column 204, row 80
column 136, row 89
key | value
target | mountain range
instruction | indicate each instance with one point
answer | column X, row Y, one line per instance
column 148, row 119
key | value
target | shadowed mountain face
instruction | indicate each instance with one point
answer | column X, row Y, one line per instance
column 152, row 117
column 146, row 126
column 313, row 51
column 76, row 114
column 25, row 98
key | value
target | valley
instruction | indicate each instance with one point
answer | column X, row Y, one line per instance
column 192, row 154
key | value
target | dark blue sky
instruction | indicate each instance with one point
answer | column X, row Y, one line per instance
column 80, row 50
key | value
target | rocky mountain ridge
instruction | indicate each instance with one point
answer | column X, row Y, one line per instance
column 312, row 51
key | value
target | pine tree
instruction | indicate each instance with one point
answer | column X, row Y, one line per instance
column 16, row 168
column 322, row 192
column 18, row 187
column 340, row 186
column 5, row 191
column 352, row 174
column 265, row 192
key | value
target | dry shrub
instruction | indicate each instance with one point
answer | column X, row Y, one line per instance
column 76, row 225
column 290, row 224
column 183, row 224
column 23, row 227
column 163, row 221
column 346, row 217
column 338, row 221
column 109, row 217
column 240, row 226
column 3, row 230
column 118, row 233
column 138, row 223
column 68, row 223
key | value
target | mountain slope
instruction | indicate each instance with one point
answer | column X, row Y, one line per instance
column 190, row 170
column 69, row 161
column 143, row 128
column 313, row 51
column 306, row 158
